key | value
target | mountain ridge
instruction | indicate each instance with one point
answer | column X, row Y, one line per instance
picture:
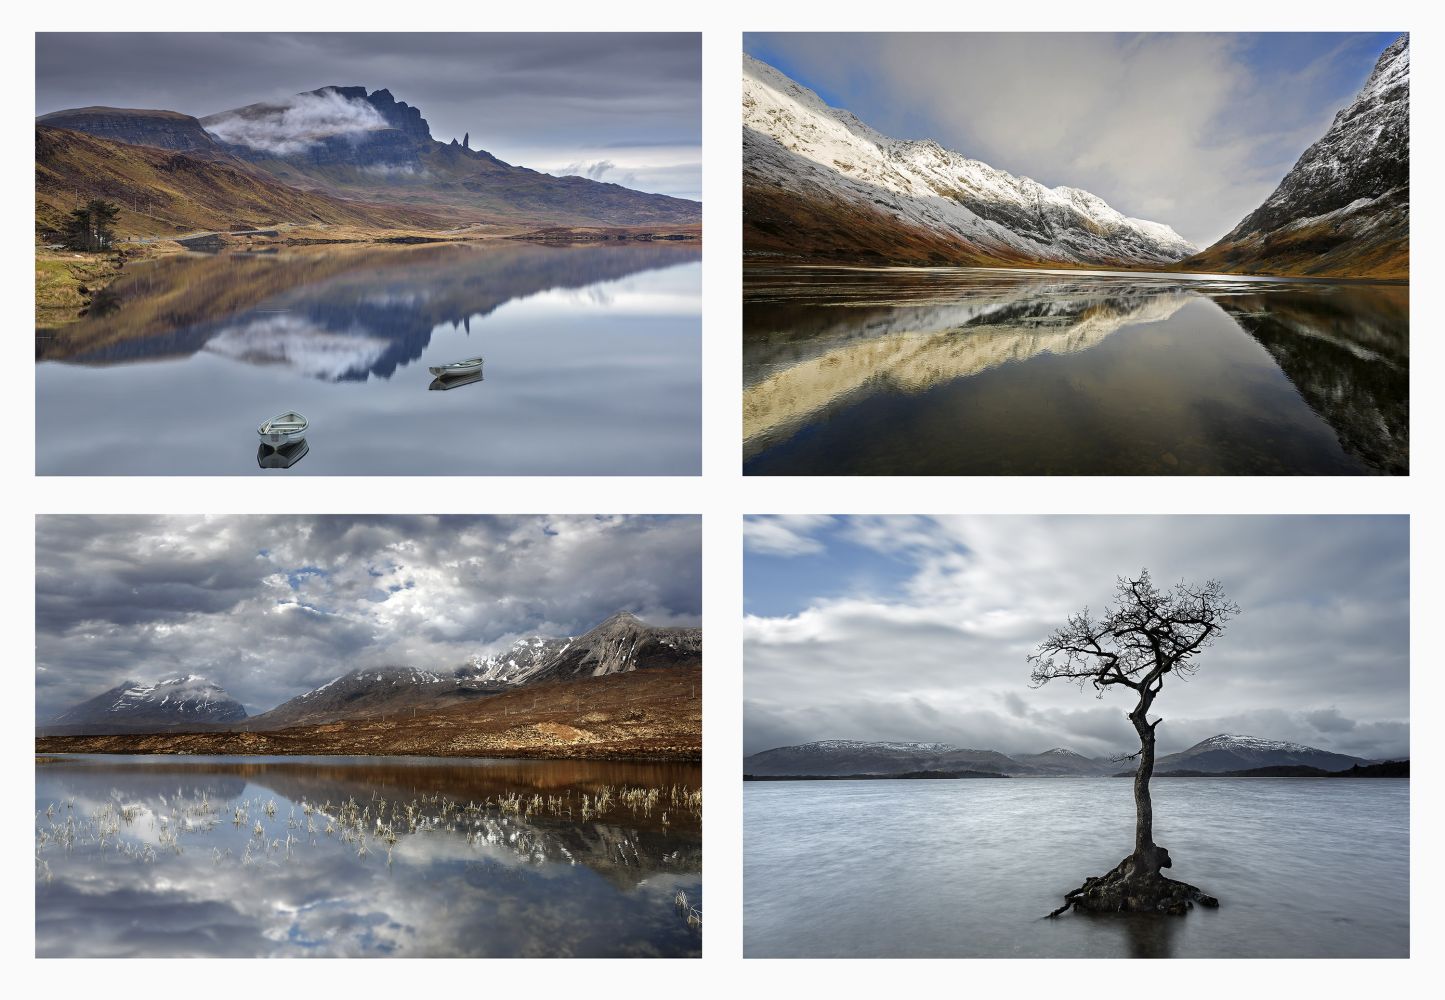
column 353, row 145
column 1223, row 752
column 819, row 179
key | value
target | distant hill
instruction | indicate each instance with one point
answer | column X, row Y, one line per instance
column 851, row 758
column 1228, row 752
column 885, row 759
column 180, row 701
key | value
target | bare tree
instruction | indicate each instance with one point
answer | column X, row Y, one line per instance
column 1143, row 637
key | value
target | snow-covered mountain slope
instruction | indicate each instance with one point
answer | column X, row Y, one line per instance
column 516, row 665
column 820, row 183
column 1344, row 208
column 1228, row 752
column 621, row 644
column 172, row 701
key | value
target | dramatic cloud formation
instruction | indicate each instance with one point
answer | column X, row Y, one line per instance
column 1192, row 130
column 542, row 100
column 296, row 123
column 891, row 628
column 270, row 607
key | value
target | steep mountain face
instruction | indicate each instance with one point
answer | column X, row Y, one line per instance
column 168, row 703
column 1227, row 752
column 161, row 129
column 621, row 644
column 819, row 183
column 514, row 666
column 164, row 192
column 359, row 144
column 835, row 757
column 1344, row 208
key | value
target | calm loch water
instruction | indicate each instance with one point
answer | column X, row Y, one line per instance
column 1302, row 867
column 338, row 856
column 971, row 371
column 592, row 363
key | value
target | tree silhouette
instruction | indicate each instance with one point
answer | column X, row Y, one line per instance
column 1143, row 637
column 92, row 226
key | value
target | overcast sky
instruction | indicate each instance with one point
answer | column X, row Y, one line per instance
column 917, row 629
column 625, row 108
column 1192, row 130
column 270, row 607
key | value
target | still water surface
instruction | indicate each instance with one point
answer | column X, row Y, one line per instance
column 592, row 363
column 359, row 856
column 1302, row 867
column 972, row 371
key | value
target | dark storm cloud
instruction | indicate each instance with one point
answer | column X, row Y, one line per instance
column 272, row 606
column 1320, row 654
column 542, row 100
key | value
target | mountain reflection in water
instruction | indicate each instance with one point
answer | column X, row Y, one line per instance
column 976, row 371
column 366, row 856
column 595, row 356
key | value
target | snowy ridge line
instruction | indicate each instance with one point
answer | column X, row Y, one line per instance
column 931, row 188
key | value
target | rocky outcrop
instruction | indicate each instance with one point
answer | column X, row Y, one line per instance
column 161, row 129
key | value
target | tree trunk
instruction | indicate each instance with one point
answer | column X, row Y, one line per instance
column 1148, row 857
column 1136, row 884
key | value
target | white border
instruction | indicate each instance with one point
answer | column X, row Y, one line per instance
column 723, row 496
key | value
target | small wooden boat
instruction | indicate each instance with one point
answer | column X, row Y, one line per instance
column 457, row 369
column 283, row 428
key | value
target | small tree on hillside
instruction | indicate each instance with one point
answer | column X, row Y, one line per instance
column 1146, row 635
column 92, row 226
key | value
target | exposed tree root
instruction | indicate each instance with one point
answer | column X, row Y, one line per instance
column 1133, row 887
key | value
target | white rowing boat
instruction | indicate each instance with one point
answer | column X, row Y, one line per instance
column 457, row 369
column 283, row 428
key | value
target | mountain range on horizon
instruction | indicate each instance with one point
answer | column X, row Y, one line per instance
column 821, row 185
column 620, row 644
column 1221, row 753
column 338, row 154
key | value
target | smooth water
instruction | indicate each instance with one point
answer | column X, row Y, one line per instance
column 358, row 856
column 1302, row 867
column 971, row 371
column 592, row 363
